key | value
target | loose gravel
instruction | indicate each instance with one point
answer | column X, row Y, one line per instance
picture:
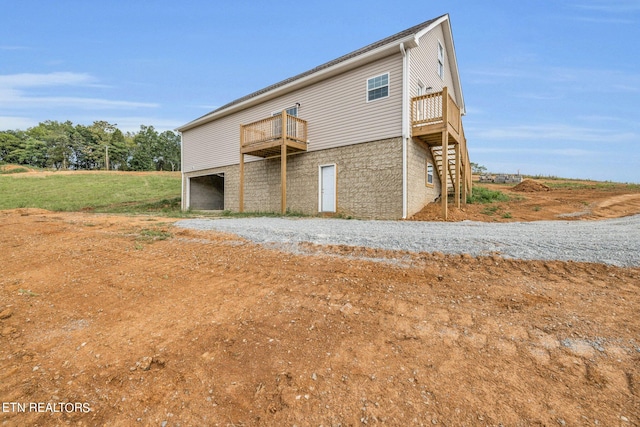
column 614, row 241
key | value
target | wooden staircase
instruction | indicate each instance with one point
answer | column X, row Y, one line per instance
column 436, row 154
column 436, row 121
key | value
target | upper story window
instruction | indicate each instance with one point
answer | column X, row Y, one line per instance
column 440, row 60
column 378, row 87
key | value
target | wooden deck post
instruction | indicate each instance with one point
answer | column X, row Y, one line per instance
column 445, row 107
column 463, row 171
column 458, row 171
column 283, row 164
column 444, row 193
column 241, row 192
column 283, row 178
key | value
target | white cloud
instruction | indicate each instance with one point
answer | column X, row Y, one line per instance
column 541, row 96
column 15, row 123
column 20, row 101
column 14, row 92
column 602, row 20
column 602, row 118
column 132, row 124
column 25, row 80
column 6, row 47
column 570, row 152
column 553, row 79
column 556, row 132
column 610, row 6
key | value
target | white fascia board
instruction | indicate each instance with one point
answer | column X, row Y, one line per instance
column 433, row 25
column 349, row 64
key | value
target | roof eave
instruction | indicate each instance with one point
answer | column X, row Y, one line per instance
column 381, row 52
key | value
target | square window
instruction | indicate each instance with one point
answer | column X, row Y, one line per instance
column 378, row 87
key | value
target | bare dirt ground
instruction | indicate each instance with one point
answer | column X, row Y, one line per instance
column 144, row 324
column 573, row 200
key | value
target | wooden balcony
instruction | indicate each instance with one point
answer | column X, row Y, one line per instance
column 430, row 116
column 279, row 135
column 436, row 120
column 265, row 138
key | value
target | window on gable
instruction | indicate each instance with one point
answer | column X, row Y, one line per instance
column 440, row 60
column 378, row 87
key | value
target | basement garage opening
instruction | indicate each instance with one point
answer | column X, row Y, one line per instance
column 207, row 192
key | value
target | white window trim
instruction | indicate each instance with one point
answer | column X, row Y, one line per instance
column 426, row 174
column 335, row 187
column 366, row 83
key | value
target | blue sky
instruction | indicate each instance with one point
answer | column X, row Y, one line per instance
column 551, row 87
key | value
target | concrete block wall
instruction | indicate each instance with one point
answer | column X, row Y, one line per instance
column 418, row 193
column 369, row 181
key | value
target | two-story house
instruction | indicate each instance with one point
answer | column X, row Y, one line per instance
column 376, row 133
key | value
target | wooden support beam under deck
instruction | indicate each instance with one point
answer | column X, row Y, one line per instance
column 444, row 193
column 283, row 165
column 241, row 192
column 463, row 171
column 458, row 167
column 283, row 179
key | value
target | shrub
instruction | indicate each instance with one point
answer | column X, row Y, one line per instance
column 484, row 195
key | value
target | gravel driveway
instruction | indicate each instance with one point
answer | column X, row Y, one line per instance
column 615, row 241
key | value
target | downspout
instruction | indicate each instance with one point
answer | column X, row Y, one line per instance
column 183, row 192
column 405, row 134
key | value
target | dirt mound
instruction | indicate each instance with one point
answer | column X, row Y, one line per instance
column 530, row 186
column 433, row 212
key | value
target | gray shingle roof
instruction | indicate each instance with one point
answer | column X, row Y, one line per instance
column 398, row 36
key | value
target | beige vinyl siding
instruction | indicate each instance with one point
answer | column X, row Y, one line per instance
column 424, row 64
column 336, row 110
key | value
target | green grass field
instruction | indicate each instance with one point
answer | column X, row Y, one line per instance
column 111, row 192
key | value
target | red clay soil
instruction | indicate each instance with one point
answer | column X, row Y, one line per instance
column 531, row 201
column 140, row 323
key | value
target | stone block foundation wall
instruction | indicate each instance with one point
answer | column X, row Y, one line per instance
column 418, row 192
column 368, row 175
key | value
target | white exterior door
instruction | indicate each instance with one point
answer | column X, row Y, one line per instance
column 328, row 188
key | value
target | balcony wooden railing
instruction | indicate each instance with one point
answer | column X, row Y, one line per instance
column 270, row 129
column 428, row 109
column 453, row 114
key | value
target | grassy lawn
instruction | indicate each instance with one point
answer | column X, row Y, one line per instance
column 98, row 192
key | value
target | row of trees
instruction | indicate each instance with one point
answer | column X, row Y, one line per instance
column 101, row 145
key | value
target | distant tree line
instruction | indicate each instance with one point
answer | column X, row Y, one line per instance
column 102, row 145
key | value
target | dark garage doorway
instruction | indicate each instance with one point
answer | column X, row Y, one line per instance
column 207, row 192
